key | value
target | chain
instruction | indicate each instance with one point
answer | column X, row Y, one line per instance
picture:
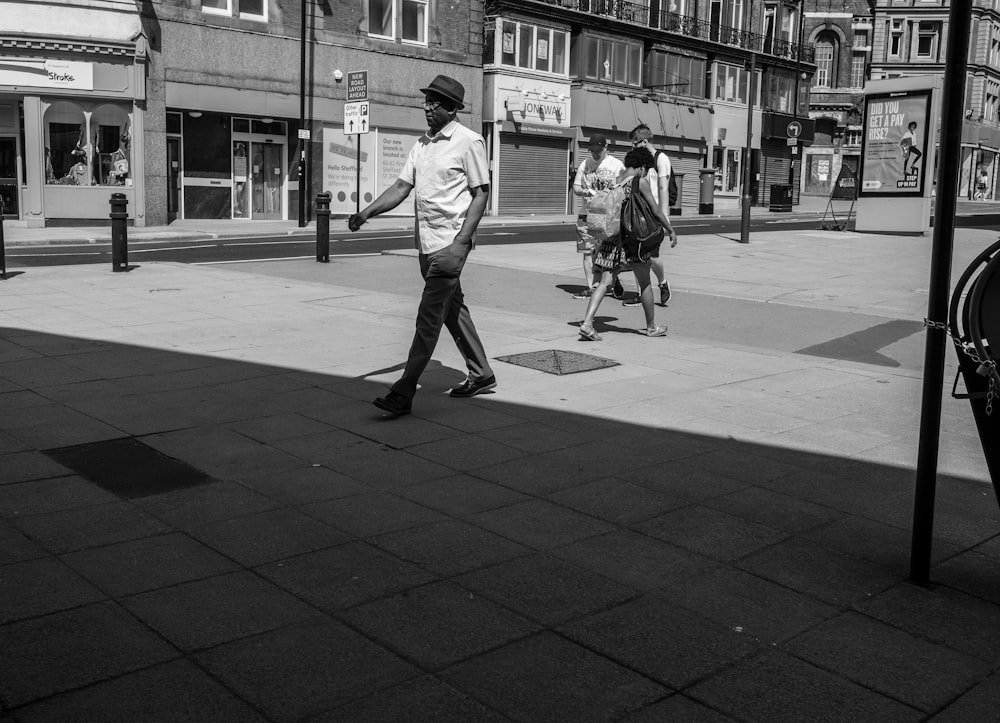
column 987, row 367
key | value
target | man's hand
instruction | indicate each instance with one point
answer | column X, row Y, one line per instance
column 356, row 221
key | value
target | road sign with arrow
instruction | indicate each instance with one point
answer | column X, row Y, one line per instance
column 356, row 117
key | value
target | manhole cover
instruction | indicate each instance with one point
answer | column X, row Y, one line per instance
column 557, row 361
column 128, row 468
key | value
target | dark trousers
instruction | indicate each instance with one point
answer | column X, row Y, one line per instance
column 443, row 304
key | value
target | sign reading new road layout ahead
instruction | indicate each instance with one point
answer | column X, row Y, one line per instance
column 356, row 118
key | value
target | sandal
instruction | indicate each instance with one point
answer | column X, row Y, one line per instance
column 657, row 331
column 587, row 333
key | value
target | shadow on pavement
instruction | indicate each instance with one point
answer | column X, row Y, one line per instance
column 479, row 560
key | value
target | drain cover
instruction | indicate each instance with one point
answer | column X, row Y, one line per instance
column 557, row 361
column 128, row 468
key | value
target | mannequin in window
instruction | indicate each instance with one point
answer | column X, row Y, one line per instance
column 50, row 174
column 77, row 174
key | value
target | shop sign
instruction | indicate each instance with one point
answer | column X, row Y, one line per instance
column 66, row 74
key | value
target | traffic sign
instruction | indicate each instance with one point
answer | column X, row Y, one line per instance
column 356, row 118
column 357, row 85
column 794, row 129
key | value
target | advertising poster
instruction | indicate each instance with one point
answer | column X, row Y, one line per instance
column 894, row 158
column 340, row 169
column 394, row 147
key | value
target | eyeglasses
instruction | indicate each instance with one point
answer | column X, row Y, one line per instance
column 432, row 104
column 639, row 142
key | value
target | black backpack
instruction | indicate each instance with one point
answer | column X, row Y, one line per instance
column 671, row 182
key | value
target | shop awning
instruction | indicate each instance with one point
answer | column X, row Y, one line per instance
column 683, row 126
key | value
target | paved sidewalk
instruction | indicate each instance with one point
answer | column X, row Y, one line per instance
column 202, row 517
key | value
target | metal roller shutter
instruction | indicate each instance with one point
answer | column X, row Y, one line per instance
column 688, row 164
column 776, row 159
column 533, row 175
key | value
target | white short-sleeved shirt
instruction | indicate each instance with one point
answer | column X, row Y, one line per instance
column 597, row 175
column 442, row 170
column 662, row 170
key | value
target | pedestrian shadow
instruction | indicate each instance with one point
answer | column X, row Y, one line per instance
column 571, row 289
column 603, row 324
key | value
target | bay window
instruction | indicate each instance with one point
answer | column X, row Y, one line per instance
column 532, row 47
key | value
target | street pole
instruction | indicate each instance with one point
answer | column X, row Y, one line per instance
column 302, row 118
column 795, row 100
column 745, row 220
column 945, row 205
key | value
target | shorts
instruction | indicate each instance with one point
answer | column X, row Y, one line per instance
column 584, row 241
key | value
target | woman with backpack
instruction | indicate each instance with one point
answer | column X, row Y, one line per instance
column 612, row 256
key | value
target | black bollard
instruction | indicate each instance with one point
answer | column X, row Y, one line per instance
column 323, row 227
column 119, row 232
column 3, row 252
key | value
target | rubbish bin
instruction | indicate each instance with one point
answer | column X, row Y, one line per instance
column 781, row 198
column 706, row 190
column 675, row 208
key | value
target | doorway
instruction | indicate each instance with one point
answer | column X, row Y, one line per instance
column 9, row 199
column 266, row 180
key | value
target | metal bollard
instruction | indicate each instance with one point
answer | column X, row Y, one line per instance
column 119, row 232
column 3, row 252
column 323, row 227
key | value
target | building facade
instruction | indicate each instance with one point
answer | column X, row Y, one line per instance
column 558, row 71
column 910, row 38
column 840, row 31
column 235, row 109
column 72, row 110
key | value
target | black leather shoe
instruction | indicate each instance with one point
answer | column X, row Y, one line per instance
column 470, row 388
column 395, row 404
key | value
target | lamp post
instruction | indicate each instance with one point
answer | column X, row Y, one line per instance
column 795, row 100
column 745, row 215
column 303, row 137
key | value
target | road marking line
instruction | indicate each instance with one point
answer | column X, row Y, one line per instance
column 277, row 258
column 68, row 253
column 173, row 248
column 268, row 243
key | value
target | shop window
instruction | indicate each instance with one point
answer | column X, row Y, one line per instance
column 244, row 9
column 779, row 90
column 413, row 25
column 534, row 47
column 87, row 146
column 675, row 74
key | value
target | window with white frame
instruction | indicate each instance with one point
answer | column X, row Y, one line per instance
column 927, row 39
column 412, row 25
column 861, row 38
column 826, row 52
column 991, row 100
column 609, row 61
column 732, row 83
column 995, row 47
column 675, row 73
column 894, row 48
column 244, row 9
column 858, row 65
column 534, row 47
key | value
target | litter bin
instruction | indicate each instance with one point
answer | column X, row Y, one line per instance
column 706, row 190
column 781, row 198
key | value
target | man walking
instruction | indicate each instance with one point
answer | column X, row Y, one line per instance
column 640, row 137
column 448, row 170
column 598, row 172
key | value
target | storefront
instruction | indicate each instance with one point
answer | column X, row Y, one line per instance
column 68, row 115
column 527, row 128
column 781, row 148
column 729, row 136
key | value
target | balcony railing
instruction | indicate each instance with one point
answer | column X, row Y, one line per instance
column 639, row 14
